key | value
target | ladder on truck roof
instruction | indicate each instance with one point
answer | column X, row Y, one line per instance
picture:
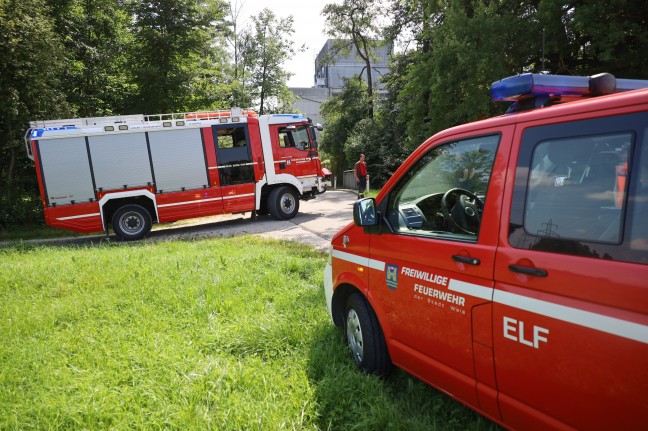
column 139, row 118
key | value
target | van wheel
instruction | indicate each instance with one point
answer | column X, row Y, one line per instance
column 131, row 222
column 365, row 337
column 283, row 203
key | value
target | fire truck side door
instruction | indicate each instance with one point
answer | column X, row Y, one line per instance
column 436, row 290
column 235, row 167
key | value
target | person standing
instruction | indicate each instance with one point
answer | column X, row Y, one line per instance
column 360, row 171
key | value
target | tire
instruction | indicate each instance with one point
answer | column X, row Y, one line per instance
column 365, row 338
column 132, row 222
column 283, row 203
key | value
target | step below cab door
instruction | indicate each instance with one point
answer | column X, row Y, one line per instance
column 571, row 295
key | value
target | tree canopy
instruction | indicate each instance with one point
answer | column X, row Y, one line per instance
column 355, row 27
column 266, row 46
column 453, row 50
column 87, row 58
column 66, row 58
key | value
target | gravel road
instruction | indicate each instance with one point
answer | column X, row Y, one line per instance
column 315, row 224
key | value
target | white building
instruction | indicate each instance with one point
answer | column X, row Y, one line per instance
column 330, row 71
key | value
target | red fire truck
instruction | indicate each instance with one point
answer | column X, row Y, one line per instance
column 506, row 261
column 130, row 171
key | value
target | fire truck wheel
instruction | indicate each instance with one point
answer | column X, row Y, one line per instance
column 365, row 337
column 283, row 203
column 131, row 222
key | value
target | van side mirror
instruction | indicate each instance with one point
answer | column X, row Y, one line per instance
column 365, row 213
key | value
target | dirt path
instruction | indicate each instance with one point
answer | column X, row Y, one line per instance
column 315, row 224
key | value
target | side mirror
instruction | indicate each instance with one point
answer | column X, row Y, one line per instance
column 312, row 135
column 365, row 213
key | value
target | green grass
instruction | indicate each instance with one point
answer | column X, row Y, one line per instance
column 372, row 193
column 37, row 231
column 223, row 334
column 41, row 231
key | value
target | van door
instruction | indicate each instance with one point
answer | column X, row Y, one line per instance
column 438, row 250
column 235, row 167
column 571, row 295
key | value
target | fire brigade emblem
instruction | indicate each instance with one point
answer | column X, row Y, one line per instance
column 391, row 276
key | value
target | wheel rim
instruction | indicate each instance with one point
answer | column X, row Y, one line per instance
column 354, row 335
column 131, row 222
column 288, row 203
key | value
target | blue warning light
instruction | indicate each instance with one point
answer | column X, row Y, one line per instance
column 534, row 90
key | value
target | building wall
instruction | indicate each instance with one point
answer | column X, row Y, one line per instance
column 309, row 101
column 330, row 69
column 328, row 78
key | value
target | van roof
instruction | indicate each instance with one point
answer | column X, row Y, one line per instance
column 532, row 90
column 629, row 101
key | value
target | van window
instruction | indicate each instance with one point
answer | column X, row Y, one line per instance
column 639, row 203
column 579, row 189
column 443, row 194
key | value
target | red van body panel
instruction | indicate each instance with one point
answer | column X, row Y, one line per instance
column 535, row 329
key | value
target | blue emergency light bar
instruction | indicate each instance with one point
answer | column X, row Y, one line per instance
column 533, row 90
column 37, row 133
column 292, row 116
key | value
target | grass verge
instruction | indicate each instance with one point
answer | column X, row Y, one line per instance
column 37, row 231
column 224, row 334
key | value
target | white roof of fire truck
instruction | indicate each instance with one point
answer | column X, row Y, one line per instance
column 44, row 129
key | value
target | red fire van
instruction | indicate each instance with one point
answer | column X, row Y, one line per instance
column 506, row 261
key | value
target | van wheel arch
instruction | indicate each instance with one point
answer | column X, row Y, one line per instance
column 340, row 297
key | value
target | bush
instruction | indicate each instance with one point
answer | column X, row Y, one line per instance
column 20, row 205
column 381, row 146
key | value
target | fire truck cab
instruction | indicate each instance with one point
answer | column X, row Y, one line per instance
column 506, row 261
column 131, row 171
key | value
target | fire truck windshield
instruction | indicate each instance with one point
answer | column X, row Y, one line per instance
column 300, row 135
column 295, row 136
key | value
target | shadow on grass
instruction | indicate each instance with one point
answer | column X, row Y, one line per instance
column 350, row 399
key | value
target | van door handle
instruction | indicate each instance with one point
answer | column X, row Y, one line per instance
column 468, row 260
column 536, row 272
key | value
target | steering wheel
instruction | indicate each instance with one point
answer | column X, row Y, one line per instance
column 463, row 209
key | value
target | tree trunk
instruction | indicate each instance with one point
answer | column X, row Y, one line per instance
column 366, row 56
